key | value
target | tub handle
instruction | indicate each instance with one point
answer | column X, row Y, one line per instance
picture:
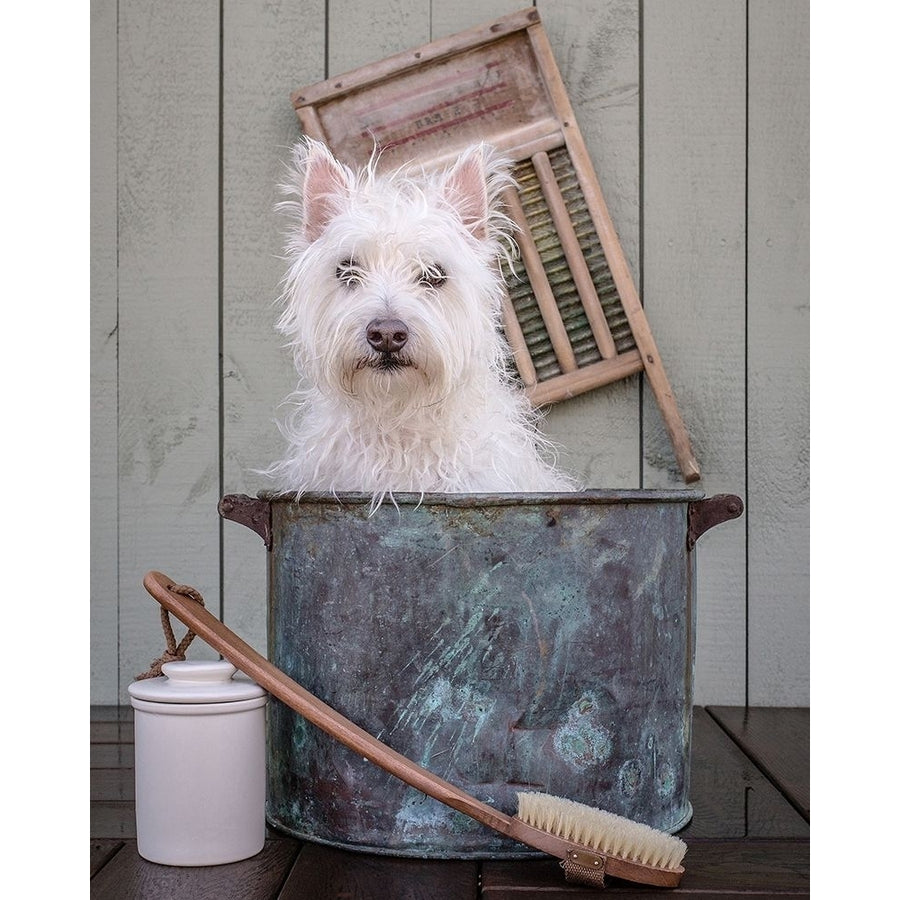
column 254, row 513
column 709, row 512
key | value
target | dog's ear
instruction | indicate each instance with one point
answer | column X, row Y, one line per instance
column 465, row 189
column 325, row 186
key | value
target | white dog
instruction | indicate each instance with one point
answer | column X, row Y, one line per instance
column 391, row 305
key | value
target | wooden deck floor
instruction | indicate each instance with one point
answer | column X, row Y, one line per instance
column 749, row 834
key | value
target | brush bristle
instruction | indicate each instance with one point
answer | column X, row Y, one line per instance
column 602, row 831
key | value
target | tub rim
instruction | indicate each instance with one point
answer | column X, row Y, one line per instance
column 468, row 500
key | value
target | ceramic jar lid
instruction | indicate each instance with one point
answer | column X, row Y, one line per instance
column 196, row 681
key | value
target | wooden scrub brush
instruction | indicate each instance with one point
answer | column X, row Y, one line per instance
column 590, row 843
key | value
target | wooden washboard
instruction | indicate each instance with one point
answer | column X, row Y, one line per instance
column 573, row 318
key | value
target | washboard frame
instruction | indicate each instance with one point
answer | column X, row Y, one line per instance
column 573, row 317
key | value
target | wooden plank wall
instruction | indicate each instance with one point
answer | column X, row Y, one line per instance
column 695, row 113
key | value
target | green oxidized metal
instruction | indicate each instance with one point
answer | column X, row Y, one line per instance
column 505, row 642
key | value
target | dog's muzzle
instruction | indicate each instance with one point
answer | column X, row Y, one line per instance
column 387, row 336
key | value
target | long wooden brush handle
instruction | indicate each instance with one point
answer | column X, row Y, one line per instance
column 243, row 657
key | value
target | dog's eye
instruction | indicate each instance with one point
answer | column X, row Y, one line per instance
column 434, row 276
column 349, row 273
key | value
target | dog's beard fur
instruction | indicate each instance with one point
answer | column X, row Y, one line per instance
column 437, row 412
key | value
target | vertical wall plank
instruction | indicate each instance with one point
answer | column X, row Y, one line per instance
column 694, row 244
column 269, row 51
column 596, row 46
column 104, row 343
column 168, row 310
column 778, row 351
column 450, row 18
column 361, row 33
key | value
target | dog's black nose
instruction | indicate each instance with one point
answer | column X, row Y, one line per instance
column 387, row 335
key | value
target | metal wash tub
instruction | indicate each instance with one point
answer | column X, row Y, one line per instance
column 506, row 642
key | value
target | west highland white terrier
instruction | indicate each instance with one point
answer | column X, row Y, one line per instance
column 391, row 305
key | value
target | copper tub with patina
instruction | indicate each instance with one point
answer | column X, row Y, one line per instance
column 506, row 642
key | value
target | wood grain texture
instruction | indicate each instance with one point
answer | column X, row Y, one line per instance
column 102, row 851
column 112, row 785
column 596, row 47
column 329, row 872
column 168, row 311
column 128, row 875
column 451, row 18
column 731, row 797
column 112, row 756
column 104, row 352
column 694, row 192
column 776, row 742
column 268, row 50
column 112, row 737
column 113, row 819
column 713, row 871
column 778, row 319
column 693, row 176
column 361, row 33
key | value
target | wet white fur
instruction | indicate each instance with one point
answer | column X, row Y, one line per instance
column 451, row 420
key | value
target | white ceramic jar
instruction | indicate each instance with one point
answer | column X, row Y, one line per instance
column 200, row 765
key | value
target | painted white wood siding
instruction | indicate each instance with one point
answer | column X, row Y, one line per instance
column 778, row 350
column 695, row 113
column 168, row 320
column 694, row 63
